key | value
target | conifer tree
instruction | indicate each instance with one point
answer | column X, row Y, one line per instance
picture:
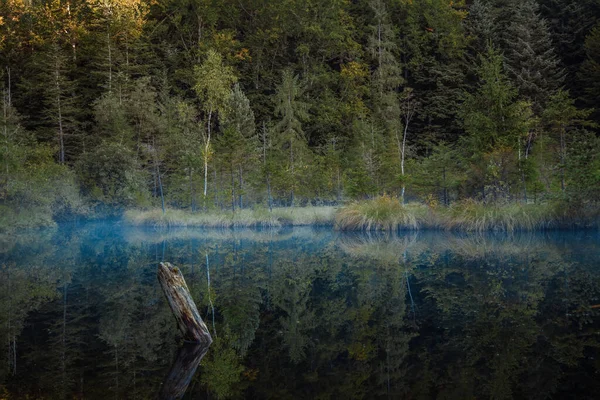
column 292, row 111
column 590, row 72
column 60, row 111
column 480, row 25
column 387, row 76
column 561, row 116
column 435, row 42
column 239, row 141
column 385, row 83
column 497, row 126
column 569, row 23
column 530, row 59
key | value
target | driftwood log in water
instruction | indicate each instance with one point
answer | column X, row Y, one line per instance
column 183, row 369
column 178, row 295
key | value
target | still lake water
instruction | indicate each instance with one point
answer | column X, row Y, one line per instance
column 302, row 313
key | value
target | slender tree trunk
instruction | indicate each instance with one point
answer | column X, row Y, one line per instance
column 218, row 186
column 6, row 105
column 109, row 61
column 563, row 158
column 338, row 196
column 241, row 193
column 206, row 155
column 61, row 141
column 445, row 186
column 192, row 189
column 403, row 153
column 232, row 190
column 267, row 174
column 162, row 197
column 293, row 172
column 524, row 185
column 523, row 180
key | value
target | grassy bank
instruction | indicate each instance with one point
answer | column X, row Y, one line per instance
column 388, row 214
column 296, row 216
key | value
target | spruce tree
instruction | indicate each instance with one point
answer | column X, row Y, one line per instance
column 530, row 59
column 292, row 111
column 239, row 142
column 497, row 127
column 569, row 22
column 434, row 47
column 59, row 102
column 590, row 72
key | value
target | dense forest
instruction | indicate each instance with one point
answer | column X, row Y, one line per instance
column 221, row 104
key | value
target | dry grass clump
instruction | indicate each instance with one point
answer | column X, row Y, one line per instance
column 474, row 216
column 383, row 213
column 246, row 218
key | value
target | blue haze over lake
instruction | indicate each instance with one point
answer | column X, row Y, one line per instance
column 302, row 313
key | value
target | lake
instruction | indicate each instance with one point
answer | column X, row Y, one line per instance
column 302, row 313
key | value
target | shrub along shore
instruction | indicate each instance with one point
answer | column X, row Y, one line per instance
column 387, row 213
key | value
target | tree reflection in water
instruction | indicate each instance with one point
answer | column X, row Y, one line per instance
column 302, row 314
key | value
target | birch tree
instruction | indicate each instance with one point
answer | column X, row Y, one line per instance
column 213, row 83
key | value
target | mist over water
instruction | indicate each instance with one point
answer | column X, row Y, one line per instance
column 302, row 313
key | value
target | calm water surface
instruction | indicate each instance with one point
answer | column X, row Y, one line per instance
column 302, row 313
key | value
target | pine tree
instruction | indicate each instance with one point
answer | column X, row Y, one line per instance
column 530, row 59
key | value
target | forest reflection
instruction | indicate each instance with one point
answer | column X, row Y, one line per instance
column 302, row 313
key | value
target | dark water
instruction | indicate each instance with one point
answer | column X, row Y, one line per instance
column 303, row 313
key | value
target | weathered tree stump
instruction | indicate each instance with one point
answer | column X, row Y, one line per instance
column 184, row 309
column 182, row 371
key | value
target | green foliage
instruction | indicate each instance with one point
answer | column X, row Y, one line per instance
column 352, row 98
column 33, row 188
column 222, row 369
column 438, row 176
column 111, row 175
column 531, row 62
column 583, row 166
column 493, row 116
column 590, row 69
column 290, row 136
column 213, row 81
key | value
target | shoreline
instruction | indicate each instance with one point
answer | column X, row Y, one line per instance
column 382, row 214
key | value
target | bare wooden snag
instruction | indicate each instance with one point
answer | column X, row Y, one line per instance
column 184, row 309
